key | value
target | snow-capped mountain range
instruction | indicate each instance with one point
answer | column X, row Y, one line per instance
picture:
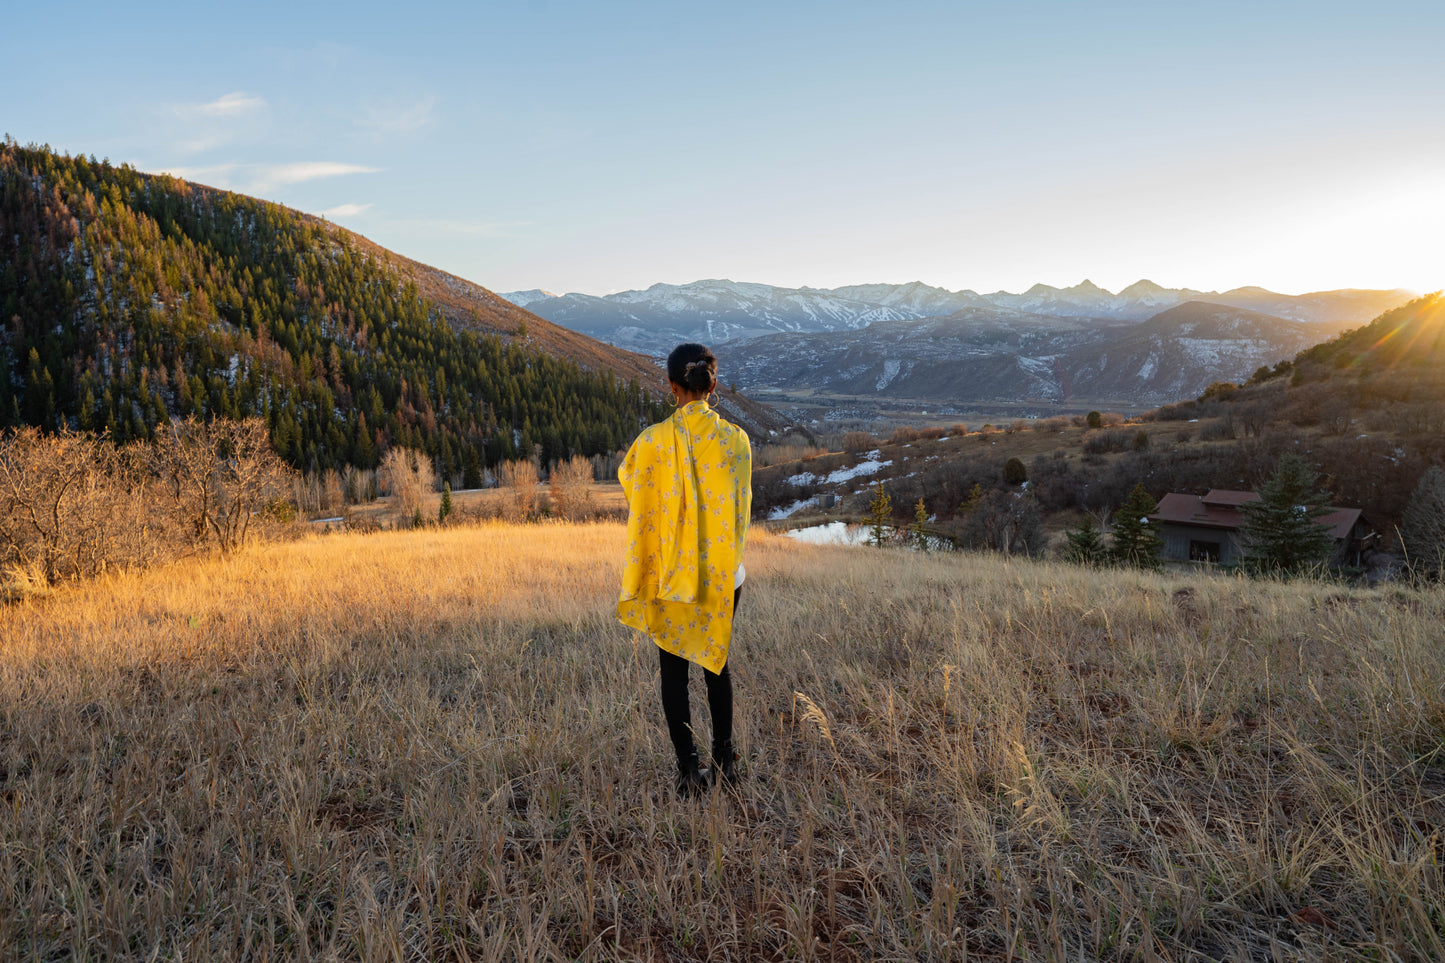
column 720, row 311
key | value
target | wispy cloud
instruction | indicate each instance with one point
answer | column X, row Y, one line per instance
column 214, row 175
column 200, row 127
column 264, row 178
column 344, row 210
column 267, row 176
column 389, row 117
column 235, row 104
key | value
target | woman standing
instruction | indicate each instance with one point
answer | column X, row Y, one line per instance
column 689, row 496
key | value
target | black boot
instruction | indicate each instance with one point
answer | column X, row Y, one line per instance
column 692, row 781
column 724, row 764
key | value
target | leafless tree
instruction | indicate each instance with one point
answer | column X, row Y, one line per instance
column 333, row 491
column 521, row 477
column 409, row 477
column 72, row 505
column 222, row 477
column 569, row 486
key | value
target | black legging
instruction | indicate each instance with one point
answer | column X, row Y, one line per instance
column 676, row 708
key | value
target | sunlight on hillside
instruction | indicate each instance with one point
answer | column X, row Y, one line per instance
column 442, row 745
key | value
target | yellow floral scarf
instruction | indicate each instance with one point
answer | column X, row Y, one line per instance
column 689, row 497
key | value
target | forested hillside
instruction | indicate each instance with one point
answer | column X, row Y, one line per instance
column 128, row 298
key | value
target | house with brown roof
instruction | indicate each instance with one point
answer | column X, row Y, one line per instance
column 1205, row 528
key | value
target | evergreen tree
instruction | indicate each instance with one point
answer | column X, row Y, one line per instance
column 1422, row 529
column 1279, row 532
column 1133, row 540
column 880, row 515
column 446, row 506
column 920, row 525
column 1086, row 544
column 975, row 498
column 1014, row 472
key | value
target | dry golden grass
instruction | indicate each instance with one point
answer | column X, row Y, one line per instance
column 441, row 745
column 601, row 498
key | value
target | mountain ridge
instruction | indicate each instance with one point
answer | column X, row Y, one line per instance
column 719, row 310
column 996, row 355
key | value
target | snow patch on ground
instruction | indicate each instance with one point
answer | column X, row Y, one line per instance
column 802, row 478
column 862, row 468
column 784, row 511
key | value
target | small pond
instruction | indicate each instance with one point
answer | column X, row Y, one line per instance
column 852, row 533
column 831, row 533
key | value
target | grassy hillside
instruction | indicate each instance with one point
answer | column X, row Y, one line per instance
column 441, row 745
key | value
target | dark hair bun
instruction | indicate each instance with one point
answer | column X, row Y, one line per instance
column 699, row 376
column 692, row 366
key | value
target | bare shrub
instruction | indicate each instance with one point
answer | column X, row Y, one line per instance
column 333, row 491
column 71, row 504
column 222, row 478
column 904, row 435
column 569, row 487
column 855, row 442
column 1102, row 442
column 1220, row 429
column 408, row 476
column 776, row 454
column 1007, row 523
column 521, row 477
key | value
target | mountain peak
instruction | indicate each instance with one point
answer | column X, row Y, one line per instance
column 523, row 298
column 1141, row 288
column 1086, row 287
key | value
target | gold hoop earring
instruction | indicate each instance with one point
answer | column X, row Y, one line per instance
column 674, row 400
column 712, row 398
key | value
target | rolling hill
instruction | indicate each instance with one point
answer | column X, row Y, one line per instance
column 129, row 299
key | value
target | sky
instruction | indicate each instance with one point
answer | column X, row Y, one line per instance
column 598, row 147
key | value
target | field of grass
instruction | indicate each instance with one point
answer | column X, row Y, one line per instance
column 441, row 745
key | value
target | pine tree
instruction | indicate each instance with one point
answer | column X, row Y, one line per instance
column 1422, row 529
column 975, row 498
column 1279, row 532
column 1134, row 542
column 880, row 515
column 920, row 525
column 446, row 506
column 1086, row 544
column 1014, row 472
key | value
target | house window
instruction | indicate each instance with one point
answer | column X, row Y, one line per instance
column 1203, row 551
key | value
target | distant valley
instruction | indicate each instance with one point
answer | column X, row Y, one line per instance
column 1052, row 346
